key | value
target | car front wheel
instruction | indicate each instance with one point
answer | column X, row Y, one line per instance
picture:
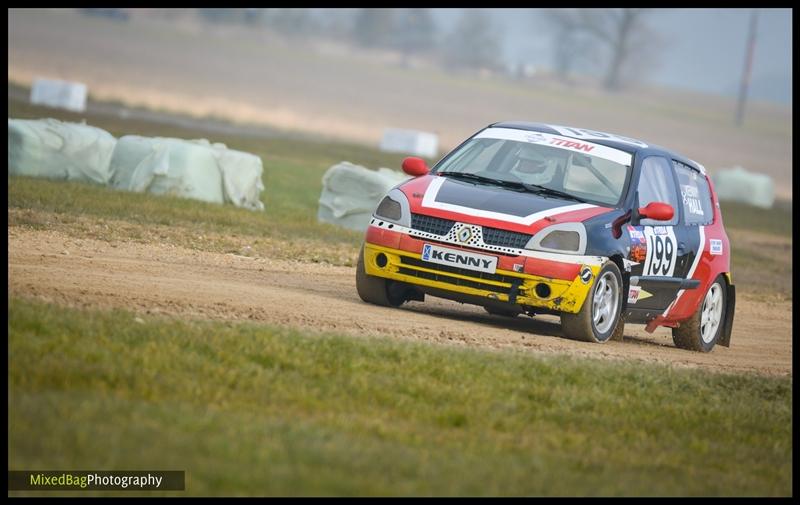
column 377, row 290
column 599, row 317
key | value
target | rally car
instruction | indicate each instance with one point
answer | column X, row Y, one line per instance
column 532, row 218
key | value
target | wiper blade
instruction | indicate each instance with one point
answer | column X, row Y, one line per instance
column 544, row 189
column 480, row 178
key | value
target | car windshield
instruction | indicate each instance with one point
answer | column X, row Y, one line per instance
column 552, row 165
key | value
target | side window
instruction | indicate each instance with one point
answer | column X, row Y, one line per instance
column 656, row 184
column 695, row 195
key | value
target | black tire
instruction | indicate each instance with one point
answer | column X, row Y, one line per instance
column 698, row 333
column 619, row 332
column 376, row 290
column 502, row 312
column 581, row 326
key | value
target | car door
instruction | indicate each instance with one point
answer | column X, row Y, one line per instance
column 661, row 250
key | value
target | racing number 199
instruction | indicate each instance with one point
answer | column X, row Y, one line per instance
column 660, row 254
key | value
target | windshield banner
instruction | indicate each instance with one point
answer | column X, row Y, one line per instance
column 570, row 144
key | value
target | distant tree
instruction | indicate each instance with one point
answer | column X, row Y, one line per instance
column 217, row 15
column 291, row 21
column 414, row 32
column 618, row 37
column 374, row 28
column 623, row 33
column 473, row 43
column 571, row 45
column 336, row 23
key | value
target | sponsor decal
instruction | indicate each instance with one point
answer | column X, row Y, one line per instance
column 716, row 246
column 636, row 293
column 519, row 267
column 638, row 248
column 661, row 251
column 638, row 253
column 571, row 144
column 691, row 199
column 456, row 258
column 628, row 264
column 586, row 275
column 633, row 294
column 636, row 235
column 535, row 137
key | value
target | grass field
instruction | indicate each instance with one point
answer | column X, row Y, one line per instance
column 258, row 410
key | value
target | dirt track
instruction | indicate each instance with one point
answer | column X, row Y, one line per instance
column 164, row 279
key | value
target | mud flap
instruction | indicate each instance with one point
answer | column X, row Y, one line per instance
column 725, row 338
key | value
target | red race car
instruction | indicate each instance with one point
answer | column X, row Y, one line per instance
column 531, row 218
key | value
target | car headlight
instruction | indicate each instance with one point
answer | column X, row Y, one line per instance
column 394, row 208
column 561, row 238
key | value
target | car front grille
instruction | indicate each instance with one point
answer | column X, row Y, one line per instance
column 430, row 224
column 504, row 238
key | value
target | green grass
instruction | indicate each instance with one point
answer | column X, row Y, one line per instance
column 776, row 221
column 247, row 409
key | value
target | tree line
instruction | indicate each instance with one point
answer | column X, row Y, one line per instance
column 616, row 38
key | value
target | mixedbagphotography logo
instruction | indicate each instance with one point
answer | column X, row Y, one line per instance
column 88, row 480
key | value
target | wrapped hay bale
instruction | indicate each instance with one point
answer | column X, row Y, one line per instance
column 741, row 185
column 60, row 94
column 351, row 192
column 241, row 175
column 168, row 166
column 59, row 150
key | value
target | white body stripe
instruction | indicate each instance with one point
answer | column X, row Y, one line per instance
column 696, row 262
column 559, row 142
column 433, row 189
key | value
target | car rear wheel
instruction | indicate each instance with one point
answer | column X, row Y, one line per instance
column 377, row 290
column 703, row 329
column 599, row 317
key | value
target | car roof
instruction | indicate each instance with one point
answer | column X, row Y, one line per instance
column 627, row 144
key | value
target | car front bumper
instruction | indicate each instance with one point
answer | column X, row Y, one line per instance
column 527, row 289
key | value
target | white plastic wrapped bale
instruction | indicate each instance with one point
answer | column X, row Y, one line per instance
column 166, row 166
column 62, row 94
column 241, row 175
column 741, row 185
column 350, row 193
column 58, row 150
column 413, row 142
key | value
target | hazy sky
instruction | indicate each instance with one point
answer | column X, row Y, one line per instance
column 701, row 49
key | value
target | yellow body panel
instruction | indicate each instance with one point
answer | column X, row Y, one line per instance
column 565, row 296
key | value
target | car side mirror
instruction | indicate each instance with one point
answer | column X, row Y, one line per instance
column 659, row 211
column 415, row 167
